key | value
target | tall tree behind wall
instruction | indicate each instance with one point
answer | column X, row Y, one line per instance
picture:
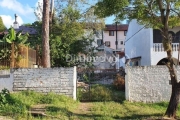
column 2, row 26
column 45, row 35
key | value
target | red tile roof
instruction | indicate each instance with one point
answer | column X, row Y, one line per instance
column 122, row 27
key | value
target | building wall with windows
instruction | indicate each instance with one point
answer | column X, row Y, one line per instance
column 144, row 45
column 110, row 37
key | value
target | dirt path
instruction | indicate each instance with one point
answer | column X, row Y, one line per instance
column 84, row 108
column 5, row 118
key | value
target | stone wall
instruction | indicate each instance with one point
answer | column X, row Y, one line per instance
column 6, row 80
column 148, row 83
column 58, row 80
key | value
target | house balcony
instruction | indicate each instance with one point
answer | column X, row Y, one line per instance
column 158, row 47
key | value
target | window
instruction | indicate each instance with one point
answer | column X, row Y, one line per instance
column 99, row 42
column 111, row 33
column 121, row 42
column 135, row 62
column 125, row 32
column 107, row 43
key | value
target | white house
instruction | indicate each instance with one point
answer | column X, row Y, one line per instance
column 143, row 46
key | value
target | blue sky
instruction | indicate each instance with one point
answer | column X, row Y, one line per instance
column 24, row 10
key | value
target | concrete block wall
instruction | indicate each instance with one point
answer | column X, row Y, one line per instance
column 6, row 81
column 58, row 80
column 148, row 83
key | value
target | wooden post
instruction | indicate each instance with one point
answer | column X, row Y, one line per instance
column 37, row 55
column 12, row 55
column 27, row 56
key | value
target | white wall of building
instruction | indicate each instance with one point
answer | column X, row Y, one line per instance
column 157, row 56
column 138, row 43
column 122, row 62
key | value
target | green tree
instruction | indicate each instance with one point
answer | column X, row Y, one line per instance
column 159, row 14
column 67, row 31
column 11, row 52
column 27, row 24
column 17, row 38
column 36, row 39
column 66, row 35
column 2, row 26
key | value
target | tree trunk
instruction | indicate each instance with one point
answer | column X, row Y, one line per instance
column 45, row 35
column 174, row 100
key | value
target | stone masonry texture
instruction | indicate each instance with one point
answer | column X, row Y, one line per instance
column 148, row 83
column 57, row 80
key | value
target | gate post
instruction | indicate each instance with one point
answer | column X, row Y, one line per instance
column 74, row 83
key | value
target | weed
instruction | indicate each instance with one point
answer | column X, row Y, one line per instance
column 4, row 97
column 119, row 82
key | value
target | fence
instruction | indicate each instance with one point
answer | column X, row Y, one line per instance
column 158, row 47
column 28, row 57
column 16, row 56
column 97, row 74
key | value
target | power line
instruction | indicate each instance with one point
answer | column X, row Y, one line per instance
column 134, row 34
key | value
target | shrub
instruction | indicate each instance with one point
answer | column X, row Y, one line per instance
column 83, row 94
column 4, row 97
column 100, row 93
column 119, row 82
column 96, row 93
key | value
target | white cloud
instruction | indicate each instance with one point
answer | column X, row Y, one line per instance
column 16, row 7
column 8, row 20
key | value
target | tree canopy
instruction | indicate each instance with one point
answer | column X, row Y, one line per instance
column 68, row 30
column 67, row 37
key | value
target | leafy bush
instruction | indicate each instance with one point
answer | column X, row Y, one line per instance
column 10, row 106
column 4, row 97
column 83, row 94
column 119, row 82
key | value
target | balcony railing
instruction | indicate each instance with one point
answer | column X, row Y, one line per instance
column 158, row 47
